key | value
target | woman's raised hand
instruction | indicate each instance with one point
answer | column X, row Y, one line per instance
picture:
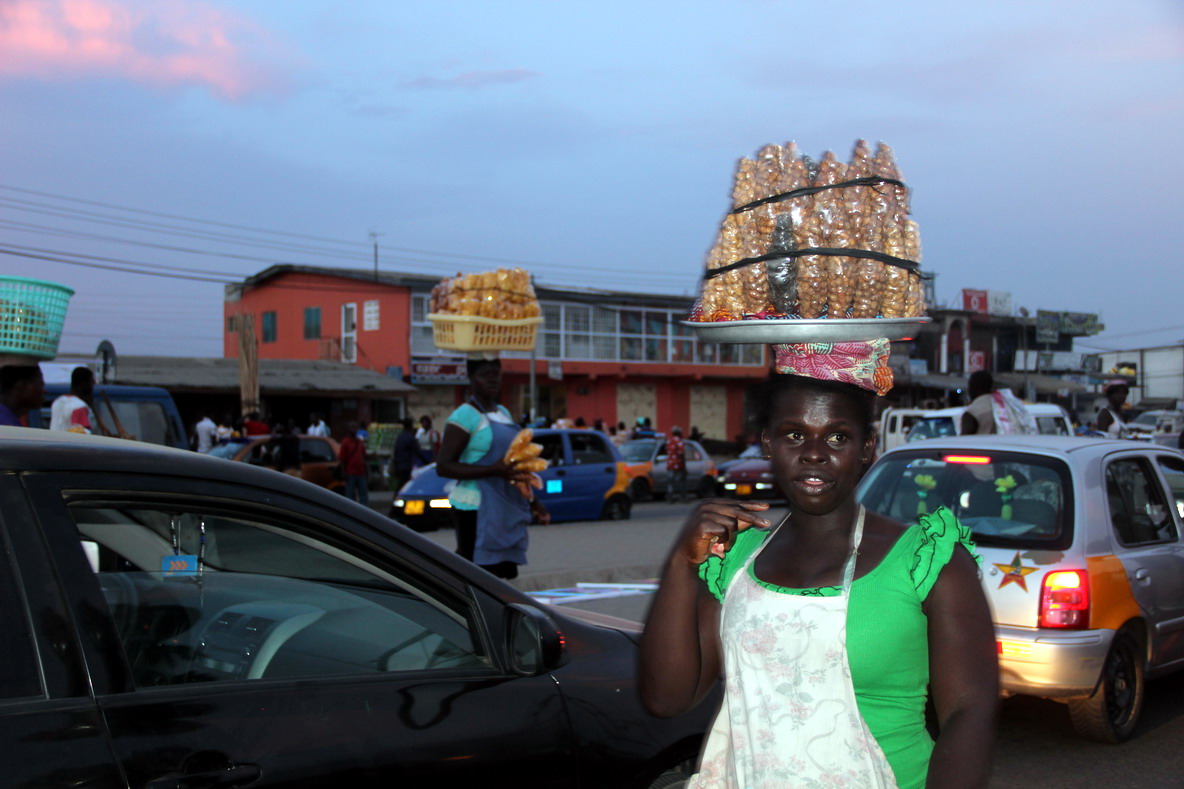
column 712, row 526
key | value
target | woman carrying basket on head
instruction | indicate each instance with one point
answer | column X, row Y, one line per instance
column 489, row 510
column 827, row 622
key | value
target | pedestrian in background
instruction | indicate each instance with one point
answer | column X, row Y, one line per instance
column 1110, row 419
column 406, row 454
column 285, row 452
column 317, row 426
column 676, row 466
column 71, row 412
column 205, row 433
column 254, row 426
column 21, row 390
column 351, row 452
column 428, row 438
column 979, row 416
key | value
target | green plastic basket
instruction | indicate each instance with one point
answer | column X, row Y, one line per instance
column 32, row 312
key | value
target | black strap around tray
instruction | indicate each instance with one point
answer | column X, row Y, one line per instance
column 872, row 181
column 891, row 260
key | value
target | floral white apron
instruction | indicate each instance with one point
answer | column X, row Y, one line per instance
column 789, row 717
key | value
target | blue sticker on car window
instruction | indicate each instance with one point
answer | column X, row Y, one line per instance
column 181, row 564
column 554, row 486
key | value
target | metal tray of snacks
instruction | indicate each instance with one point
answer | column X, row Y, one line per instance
column 771, row 332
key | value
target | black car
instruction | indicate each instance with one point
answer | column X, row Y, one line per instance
column 172, row 619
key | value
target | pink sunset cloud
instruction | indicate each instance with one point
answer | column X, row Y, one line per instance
column 163, row 44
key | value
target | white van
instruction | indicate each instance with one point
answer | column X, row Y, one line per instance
column 895, row 424
column 1051, row 420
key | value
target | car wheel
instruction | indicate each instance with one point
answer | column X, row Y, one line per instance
column 639, row 490
column 617, row 508
column 706, row 488
column 1110, row 714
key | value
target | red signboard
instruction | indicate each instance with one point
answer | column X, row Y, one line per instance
column 975, row 300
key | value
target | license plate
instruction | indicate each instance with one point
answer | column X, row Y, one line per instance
column 744, row 490
column 413, row 507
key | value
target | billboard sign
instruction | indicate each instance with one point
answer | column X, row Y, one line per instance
column 1048, row 326
column 975, row 300
column 998, row 302
column 438, row 370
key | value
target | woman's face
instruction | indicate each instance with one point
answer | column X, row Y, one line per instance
column 487, row 381
column 818, row 447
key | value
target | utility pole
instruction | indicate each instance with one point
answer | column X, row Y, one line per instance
column 374, row 238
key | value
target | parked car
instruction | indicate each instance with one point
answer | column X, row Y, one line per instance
column 318, row 457
column 171, row 619
column 145, row 413
column 721, row 468
column 1083, row 560
column 751, row 479
column 645, row 460
column 585, row 480
column 1051, row 420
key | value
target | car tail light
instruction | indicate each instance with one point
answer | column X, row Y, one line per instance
column 974, row 460
column 1064, row 600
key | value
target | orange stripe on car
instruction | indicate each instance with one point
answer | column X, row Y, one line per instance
column 1113, row 602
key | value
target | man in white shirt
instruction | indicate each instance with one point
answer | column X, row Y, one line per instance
column 318, row 426
column 71, row 411
column 979, row 417
column 206, row 432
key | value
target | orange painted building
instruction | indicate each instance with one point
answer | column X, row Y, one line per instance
column 604, row 355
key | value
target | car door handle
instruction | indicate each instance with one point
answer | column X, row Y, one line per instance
column 560, row 473
column 234, row 775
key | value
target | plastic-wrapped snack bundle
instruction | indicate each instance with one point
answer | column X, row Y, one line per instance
column 915, row 301
column 711, row 295
column 915, row 307
column 812, row 274
column 896, row 281
column 857, row 200
column 871, row 276
column 744, row 189
column 830, row 207
column 754, row 277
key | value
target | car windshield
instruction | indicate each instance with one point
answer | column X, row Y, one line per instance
column 754, row 451
column 638, row 450
column 932, row 427
column 1005, row 498
column 1147, row 418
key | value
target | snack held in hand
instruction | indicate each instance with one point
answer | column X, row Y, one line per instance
column 523, row 454
column 780, row 250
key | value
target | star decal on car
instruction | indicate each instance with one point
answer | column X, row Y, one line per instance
column 1015, row 572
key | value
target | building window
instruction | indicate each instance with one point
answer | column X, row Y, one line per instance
column 370, row 315
column 231, row 324
column 312, row 323
column 580, row 331
column 269, row 329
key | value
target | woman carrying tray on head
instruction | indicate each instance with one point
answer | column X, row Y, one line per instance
column 490, row 513
column 828, row 622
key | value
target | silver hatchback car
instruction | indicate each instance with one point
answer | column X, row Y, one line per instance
column 1083, row 559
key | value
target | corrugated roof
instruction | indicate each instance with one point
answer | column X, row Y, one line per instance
column 276, row 376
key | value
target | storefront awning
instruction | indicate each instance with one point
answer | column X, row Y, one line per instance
column 1044, row 384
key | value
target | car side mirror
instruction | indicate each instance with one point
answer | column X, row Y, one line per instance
column 533, row 642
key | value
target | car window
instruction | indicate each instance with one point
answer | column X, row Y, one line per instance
column 1138, row 512
column 932, row 427
column 143, row 419
column 552, row 445
column 588, row 448
column 201, row 595
column 638, row 451
column 314, row 450
column 20, row 677
column 1051, row 426
column 1005, row 498
column 693, row 452
column 1173, row 472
